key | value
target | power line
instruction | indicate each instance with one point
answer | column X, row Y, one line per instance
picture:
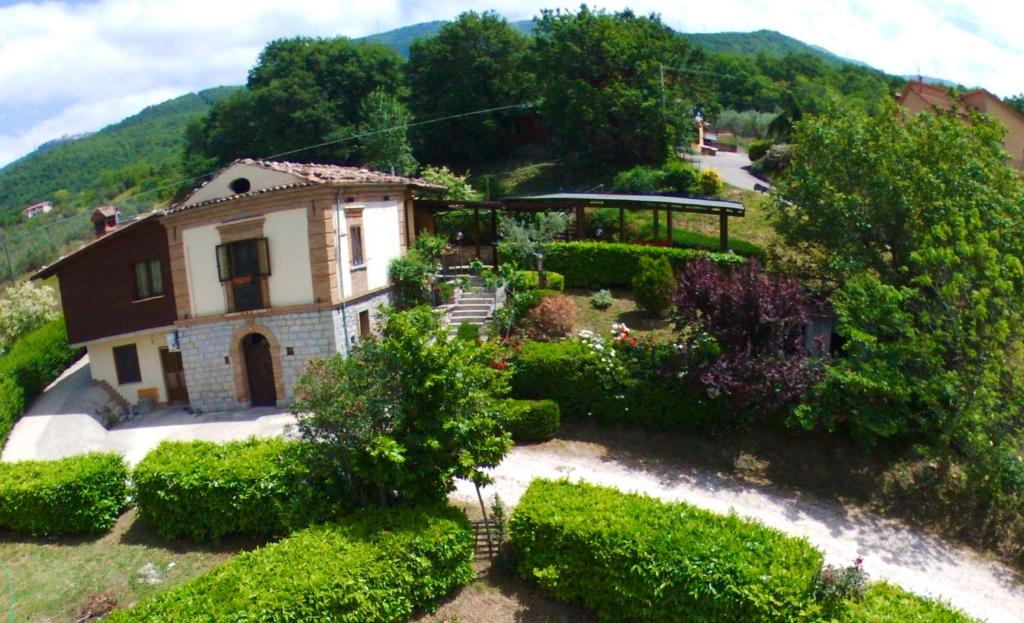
column 344, row 139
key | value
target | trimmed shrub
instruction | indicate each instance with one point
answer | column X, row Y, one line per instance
column 685, row 239
column 205, row 491
column 710, row 183
column 757, row 149
column 553, row 316
column 602, row 299
column 12, row 404
column 679, row 177
column 530, row 420
column 884, row 603
column 468, row 331
column 654, row 285
column 82, row 494
column 38, row 358
column 613, row 264
column 632, row 558
column 569, row 373
column 375, row 567
column 640, row 179
column 531, row 279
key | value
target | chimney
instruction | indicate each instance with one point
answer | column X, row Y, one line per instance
column 105, row 220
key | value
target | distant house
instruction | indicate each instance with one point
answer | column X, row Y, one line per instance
column 35, row 209
column 221, row 301
column 919, row 97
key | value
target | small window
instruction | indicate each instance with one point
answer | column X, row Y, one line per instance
column 149, row 279
column 126, row 362
column 240, row 185
column 364, row 324
column 244, row 258
column 355, row 233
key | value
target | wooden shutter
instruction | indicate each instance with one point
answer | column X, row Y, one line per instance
column 263, row 248
column 223, row 262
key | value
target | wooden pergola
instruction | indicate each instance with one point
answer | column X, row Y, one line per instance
column 578, row 203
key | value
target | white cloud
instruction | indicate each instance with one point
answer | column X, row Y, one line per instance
column 67, row 68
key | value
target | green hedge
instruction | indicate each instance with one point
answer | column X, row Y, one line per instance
column 376, row 567
column 884, row 603
column 612, row 264
column 565, row 371
column 531, row 420
column 33, row 362
column 205, row 491
column 633, row 558
column 38, row 358
column 83, row 494
column 12, row 404
column 532, row 280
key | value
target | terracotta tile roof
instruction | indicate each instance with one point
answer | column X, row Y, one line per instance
column 934, row 94
column 335, row 174
column 314, row 174
column 106, row 211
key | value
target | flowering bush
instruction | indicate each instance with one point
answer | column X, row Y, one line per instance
column 756, row 321
column 553, row 316
column 24, row 308
column 835, row 584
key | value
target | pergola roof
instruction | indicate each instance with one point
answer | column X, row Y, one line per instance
column 597, row 200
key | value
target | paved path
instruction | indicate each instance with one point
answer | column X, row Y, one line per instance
column 910, row 558
column 61, row 423
column 730, row 166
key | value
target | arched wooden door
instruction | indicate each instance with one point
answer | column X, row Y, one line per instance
column 259, row 370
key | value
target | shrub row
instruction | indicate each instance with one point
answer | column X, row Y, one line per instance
column 375, row 567
column 206, row 491
column 82, row 494
column 531, row 278
column 633, row 558
column 610, row 264
column 566, row 372
column 33, row 362
column 531, row 420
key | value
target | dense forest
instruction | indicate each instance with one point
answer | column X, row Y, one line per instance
column 609, row 90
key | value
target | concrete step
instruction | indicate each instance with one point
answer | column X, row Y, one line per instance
column 476, row 299
column 472, row 306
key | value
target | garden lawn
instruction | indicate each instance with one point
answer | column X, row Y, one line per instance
column 623, row 310
column 53, row 579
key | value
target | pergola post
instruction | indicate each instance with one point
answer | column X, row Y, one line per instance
column 655, row 214
column 622, row 224
column 581, row 222
column 723, row 231
column 668, row 225
column 476, row 226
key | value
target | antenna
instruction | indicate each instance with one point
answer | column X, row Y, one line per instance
column 919, row 78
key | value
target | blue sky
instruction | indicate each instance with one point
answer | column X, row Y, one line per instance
column 75, row 66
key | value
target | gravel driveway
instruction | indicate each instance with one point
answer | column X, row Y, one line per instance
column 730, row 165
column 61, row 423
column 910, row 558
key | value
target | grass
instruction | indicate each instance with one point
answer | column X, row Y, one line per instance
column 623, row 309
column 54, row 580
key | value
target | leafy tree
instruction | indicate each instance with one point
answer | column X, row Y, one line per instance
column 414, row 274
column 918, row 221
column 387, row 146
column 527, row 238
column 406, row 413
column 653, row 285
column 24, row 307
column 457, row 186
column 477, row 62
column 1016, row 102
column 301, row 92
column 599, row 76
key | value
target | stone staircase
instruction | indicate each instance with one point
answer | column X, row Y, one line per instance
column 474, row 305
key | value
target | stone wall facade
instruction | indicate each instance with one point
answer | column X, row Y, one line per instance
column 215, row 367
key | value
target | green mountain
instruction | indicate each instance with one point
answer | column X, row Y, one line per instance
column 400, row 39
column 152, row 138
column 769, row 42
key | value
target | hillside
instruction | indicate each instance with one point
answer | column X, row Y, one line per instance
column 769, row 42
column 153, row 136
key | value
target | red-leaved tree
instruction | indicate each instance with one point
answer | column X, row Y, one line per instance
column 756, row 320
